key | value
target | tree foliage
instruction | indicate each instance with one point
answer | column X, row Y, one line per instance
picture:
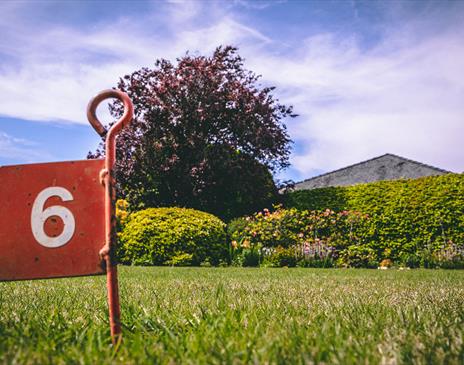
column 206, row 135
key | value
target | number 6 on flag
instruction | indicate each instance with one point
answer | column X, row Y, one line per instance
column 58, row 218
column 40, row 215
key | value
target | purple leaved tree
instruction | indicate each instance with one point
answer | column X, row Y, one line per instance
column 206, row 135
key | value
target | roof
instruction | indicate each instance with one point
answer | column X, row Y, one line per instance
column 438, row 170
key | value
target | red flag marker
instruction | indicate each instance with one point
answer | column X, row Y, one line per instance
column 58, row 219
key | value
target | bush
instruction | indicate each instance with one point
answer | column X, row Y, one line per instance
column 248, row 257
column 280, row 228
column 290, row 237
column 172, row 236
column 236, row 228
column 292, row 227
column 122, row 213
column 280, row 257
column 244, row 254
column 449, row 257
column 358, row 256
column 183, row 259
column 410, row 221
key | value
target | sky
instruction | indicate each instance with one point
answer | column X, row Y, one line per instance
column 365, row 77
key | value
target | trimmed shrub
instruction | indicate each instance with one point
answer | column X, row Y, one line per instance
column 333, row 198
column 172, row 236
column 407, row 218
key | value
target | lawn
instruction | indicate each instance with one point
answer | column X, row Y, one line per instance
column 237, row 315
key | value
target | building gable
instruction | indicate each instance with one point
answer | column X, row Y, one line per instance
column 385, row 167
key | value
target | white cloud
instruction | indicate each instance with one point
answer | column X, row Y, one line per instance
column 56, row 70
column 258, row 4
column 356, row 104
column 403, row 96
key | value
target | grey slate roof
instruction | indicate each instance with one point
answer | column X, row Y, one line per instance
column 385, row 167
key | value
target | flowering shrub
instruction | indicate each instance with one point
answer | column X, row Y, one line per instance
column 122, row 213
column 280, row 257
column 316, row 254
column 450, row 257
column 289, row 227
column 287, row 237
column 244, row 253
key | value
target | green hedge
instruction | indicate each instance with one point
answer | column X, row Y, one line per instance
column 172, row 236
column 405, row 216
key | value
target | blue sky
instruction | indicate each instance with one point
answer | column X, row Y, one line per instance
column 365, row 77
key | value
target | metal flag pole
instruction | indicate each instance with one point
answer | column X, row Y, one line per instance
column 107, row 253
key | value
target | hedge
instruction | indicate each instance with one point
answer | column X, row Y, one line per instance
column 172, row 236
column 405, row 216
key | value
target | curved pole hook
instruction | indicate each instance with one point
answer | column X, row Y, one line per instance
column 108, row 94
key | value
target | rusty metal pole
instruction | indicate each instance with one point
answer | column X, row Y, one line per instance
column 107, row 253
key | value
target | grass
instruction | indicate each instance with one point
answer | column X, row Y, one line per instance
column 235, row 316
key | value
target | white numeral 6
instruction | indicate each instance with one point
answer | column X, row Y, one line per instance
column 39, row 216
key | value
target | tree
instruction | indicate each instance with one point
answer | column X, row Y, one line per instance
column 206, row 135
